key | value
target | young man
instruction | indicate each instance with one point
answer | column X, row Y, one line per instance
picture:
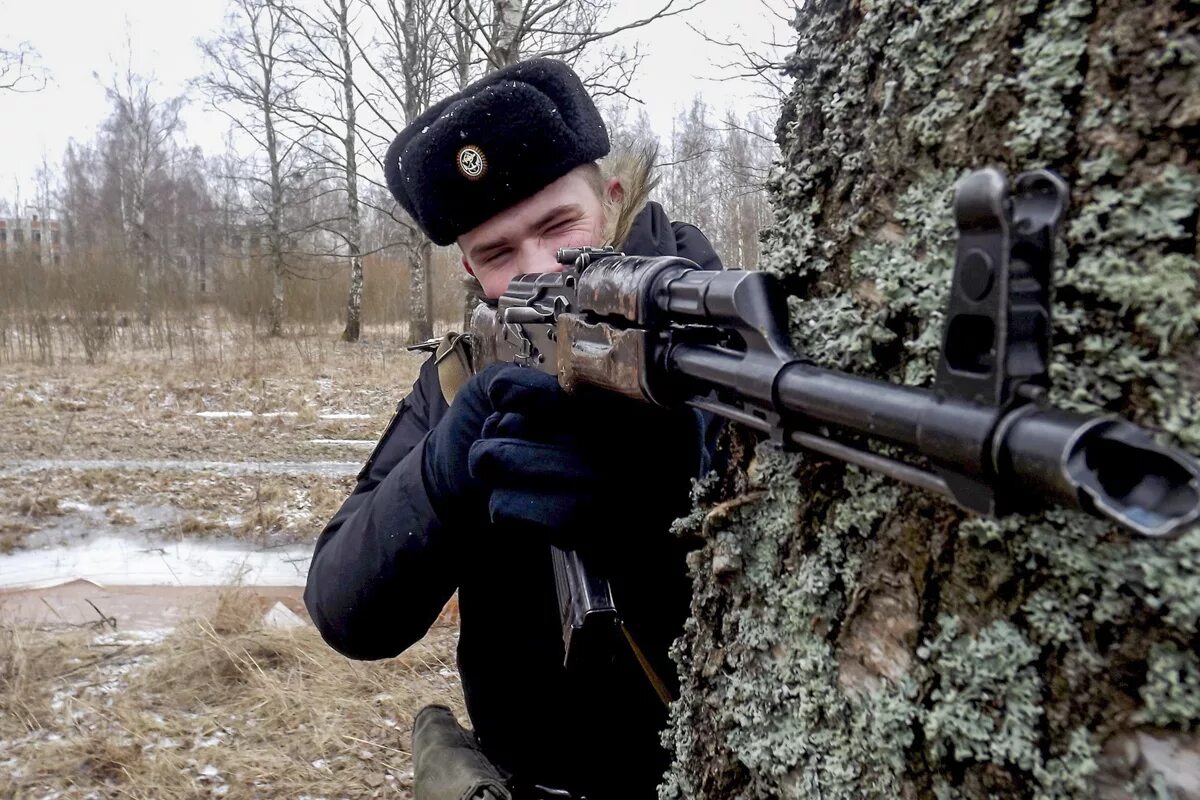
column 469, row 495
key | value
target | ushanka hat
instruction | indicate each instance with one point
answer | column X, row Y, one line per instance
column 502, row 139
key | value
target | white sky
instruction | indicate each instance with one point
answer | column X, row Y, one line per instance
column 77, row 38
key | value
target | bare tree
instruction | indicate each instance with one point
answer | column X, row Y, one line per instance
column 414, row 62
column 743, row 162
column 141, row 130
column 250, row 72
column 761, row 62
column 691, row 173
column 327, row 52
column 502, row 32
column 21, row 70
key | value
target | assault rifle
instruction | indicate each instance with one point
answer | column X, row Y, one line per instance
column 664, row 331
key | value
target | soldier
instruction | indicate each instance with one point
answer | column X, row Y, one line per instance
column 468, row 494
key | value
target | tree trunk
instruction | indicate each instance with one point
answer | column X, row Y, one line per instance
column 853, row 638
column 506, row 34
column 276, row 315
column 420, row 255
column 275, row 219
column 420, row 250
column 354, row 239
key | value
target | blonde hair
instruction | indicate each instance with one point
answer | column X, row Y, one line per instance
column 634, row 168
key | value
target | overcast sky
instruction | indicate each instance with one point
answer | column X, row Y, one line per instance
column 77, row 38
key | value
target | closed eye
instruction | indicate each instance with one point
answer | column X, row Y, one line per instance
column 560, row 225
column 495, row 256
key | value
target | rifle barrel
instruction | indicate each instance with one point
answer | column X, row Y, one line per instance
column 1032, row 456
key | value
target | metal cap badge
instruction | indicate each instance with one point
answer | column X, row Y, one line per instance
column 471, row 162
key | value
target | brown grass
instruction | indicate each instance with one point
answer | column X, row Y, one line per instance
column 118, row 517
column 222, row 702
column 12, row 533
column 193, row 527
column 38, row 504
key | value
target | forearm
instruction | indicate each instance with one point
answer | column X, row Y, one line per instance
column 382, row 569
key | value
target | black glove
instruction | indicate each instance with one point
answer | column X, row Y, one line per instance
column 577, row 466
column 456, row 497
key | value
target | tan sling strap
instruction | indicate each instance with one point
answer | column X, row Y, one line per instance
column 453, row 360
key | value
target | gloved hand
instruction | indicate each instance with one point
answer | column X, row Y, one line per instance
column 456, row 497
column 574, row 466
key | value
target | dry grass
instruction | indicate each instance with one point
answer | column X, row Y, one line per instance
column 12, row 533
column 203, row 503
column 37, row 504
column 222, row 707
column 138, row 407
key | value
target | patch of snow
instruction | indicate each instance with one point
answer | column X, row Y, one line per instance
column 326, row 468
column 75, row 505
column 148, row 636
column 344, row 415
column 128, row 561
column 348, row 442
column 280, row 616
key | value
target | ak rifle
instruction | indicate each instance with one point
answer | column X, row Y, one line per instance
column 664, row 331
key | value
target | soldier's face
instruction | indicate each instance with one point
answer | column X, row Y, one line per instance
column 523, row 240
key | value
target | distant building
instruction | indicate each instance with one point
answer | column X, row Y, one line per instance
column 33, row 236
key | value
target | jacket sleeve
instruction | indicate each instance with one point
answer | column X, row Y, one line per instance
column 382, row 568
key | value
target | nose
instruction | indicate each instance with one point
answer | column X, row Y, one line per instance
column 536, row 259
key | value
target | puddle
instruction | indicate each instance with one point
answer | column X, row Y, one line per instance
column 325, row 468
column 145, row 561
column 346, row 442
column 330, row 415
column 81, row 521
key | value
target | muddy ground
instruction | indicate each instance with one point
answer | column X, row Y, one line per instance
column 262, row 444
column 193, row 680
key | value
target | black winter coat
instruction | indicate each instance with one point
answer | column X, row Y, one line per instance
column 384, row 567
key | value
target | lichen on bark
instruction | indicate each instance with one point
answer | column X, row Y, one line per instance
column 853, row 638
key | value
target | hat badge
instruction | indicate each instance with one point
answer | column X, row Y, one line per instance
column 471, row 162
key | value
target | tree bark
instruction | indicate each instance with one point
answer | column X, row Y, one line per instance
column 354, row 237
column 420, row 250
column 420, row 257
column 853, row 638
column 275, row 230
column 506, row 37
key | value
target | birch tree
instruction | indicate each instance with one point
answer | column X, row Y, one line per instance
column 414, row 65
column 141, row 130
column 326, row 53
column 854, row 639
column 250, row 81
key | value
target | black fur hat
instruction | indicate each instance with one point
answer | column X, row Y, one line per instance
column 500, row 140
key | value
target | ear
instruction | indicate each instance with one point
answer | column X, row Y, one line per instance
column 467, row 267
column 614, row 190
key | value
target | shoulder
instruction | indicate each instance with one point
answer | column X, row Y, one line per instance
column 427, row 390
column 692, row 244
column 654, row 234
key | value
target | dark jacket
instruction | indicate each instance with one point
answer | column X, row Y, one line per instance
column 384, row 567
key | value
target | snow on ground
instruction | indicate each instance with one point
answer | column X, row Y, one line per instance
column 332, row 415
column 136, row 561
column 346, row 442
column 328, row 468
